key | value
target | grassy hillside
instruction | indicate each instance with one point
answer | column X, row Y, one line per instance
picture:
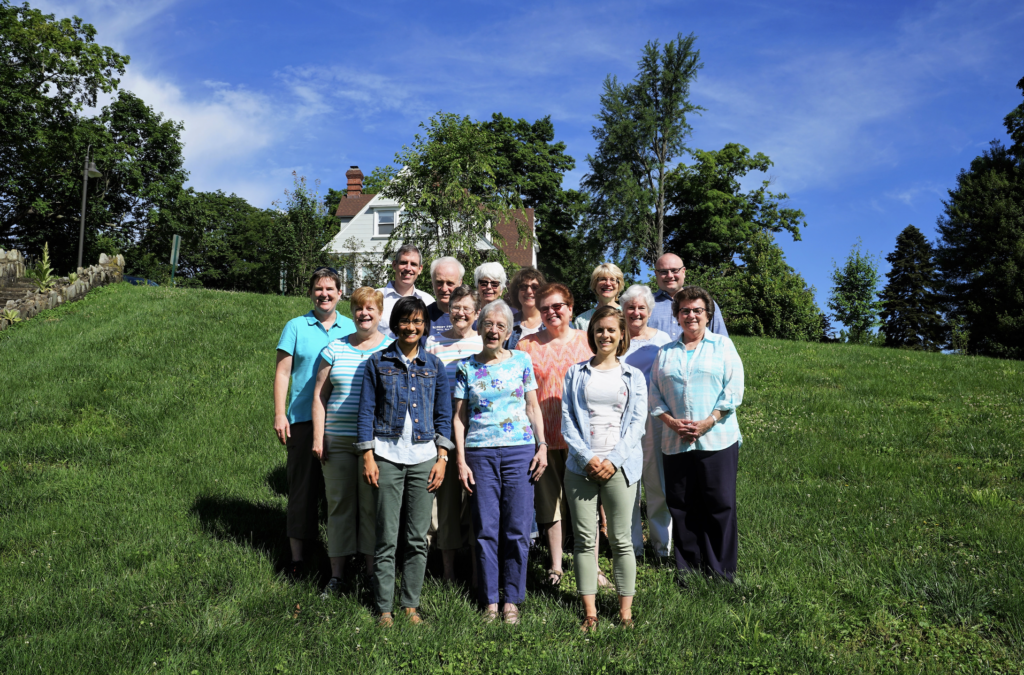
column 142, row 518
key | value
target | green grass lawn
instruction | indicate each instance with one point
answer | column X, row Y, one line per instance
column 142, row 517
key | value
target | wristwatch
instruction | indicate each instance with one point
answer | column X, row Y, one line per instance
column 444, row 457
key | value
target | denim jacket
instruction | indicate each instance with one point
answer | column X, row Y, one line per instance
column 627, row 455
column 390, row 388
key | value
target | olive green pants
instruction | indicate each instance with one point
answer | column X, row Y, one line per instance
column 618, row 499
column 401, row 484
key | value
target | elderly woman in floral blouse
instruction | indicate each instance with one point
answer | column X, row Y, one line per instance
column 499, row 439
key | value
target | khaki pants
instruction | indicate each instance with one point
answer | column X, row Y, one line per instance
column 351, row 510
column 549, row 493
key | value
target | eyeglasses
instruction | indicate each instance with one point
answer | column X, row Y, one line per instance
column 529, row 287
column 500, row 327
column 553, row 307
column 669, row 270
column 484, row 283
column 410, row 323
column 686, row 311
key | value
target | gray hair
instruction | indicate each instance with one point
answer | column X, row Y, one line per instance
column 638, row 292
column 407, row 248
column 447, row 260
column 497, row 306
column 491, row 270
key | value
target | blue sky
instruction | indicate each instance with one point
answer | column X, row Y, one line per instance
column 868, row 109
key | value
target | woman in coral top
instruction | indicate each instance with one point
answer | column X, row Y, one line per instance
column 553, row 351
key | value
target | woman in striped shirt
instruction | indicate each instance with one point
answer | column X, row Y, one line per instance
column 452, row 346
column 351, row 514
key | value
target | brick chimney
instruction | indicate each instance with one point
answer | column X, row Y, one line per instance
column 355, row 181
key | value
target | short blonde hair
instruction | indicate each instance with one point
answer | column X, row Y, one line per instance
column 607, row 270
column 362, row 296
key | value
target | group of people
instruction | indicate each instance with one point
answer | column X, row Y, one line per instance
column 471, row 416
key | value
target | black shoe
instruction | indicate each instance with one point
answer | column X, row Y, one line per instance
column 296, row 570
column 332, row 589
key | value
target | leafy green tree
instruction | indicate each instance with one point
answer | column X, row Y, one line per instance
column 530, row 163
column 710, row 218
column 451, row 193
column 642, row 129
column 49, row 70
column 980, row 251
column 225, row 243
column 307, row 229
column 140, row 156
column 910, row 301
column 853, row 294
column 764, row 296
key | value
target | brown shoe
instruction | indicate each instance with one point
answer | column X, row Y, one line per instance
column 589, row 625
column 386, row 620
column 412, row 615
column 512, row 615
column 490, row 616
column 626, row 623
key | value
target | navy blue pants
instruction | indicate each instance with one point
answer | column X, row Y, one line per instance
column 502, row 503
column 700, row 490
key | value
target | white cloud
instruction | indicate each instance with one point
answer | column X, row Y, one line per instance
column 823, row 116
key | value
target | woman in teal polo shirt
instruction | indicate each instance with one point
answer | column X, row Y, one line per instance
column 298, row 350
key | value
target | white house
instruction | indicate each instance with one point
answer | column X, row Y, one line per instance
column 369, row 219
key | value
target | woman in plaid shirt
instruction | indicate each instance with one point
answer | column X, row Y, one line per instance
column 696, row 386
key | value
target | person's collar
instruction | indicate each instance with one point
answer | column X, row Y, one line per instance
column 663, row 292
column 312, row 320
column 394, row 352
column 391, row 288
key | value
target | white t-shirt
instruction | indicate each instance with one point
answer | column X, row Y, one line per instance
column 606, row 400
column 391, row 297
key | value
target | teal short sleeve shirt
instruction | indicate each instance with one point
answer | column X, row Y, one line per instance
column 304, row 338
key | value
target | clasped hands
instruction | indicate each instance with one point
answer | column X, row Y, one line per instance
column 599, row 470
column 689, row 430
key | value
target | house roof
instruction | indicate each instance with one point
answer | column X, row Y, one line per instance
column 350, row 206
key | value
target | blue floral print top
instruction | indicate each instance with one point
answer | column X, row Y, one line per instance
column 496, row 396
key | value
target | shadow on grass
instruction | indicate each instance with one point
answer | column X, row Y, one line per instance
column 257, row 526
column 277, row 480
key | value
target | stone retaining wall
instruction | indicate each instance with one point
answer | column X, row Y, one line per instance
column 108, row 271
column 12, row 265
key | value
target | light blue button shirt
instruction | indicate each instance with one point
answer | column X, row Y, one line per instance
column 662, row 318
column 690, row 388
column 628, row 454
column 304, row 337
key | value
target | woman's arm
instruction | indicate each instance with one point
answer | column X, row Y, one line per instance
column 579, row 447
column 442, row 409
column 533, row 413
column 282, row 375
column 321, row 395
column 364, row 421
column 460, row 422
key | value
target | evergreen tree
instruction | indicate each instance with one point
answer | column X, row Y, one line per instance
column 980, row 252
column 910, row 303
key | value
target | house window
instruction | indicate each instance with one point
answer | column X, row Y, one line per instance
column 385, row 222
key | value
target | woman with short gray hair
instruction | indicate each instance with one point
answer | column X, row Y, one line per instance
column 499, row 440
column 490, row 280
column 644, row 343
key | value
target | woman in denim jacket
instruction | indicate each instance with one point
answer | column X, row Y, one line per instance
column 403, row 428
column 604, row 414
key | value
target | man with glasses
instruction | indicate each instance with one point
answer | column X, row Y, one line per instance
column 671, row 276
column 446, row 275
column 408, row 264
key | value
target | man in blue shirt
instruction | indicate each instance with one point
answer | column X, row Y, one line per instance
column 445, row 275
column 671, row 276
